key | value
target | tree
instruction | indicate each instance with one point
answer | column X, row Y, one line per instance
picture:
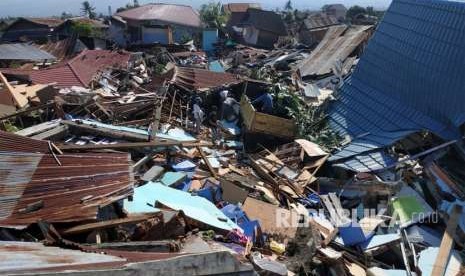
column 354, row 11
column 65, row 15
column 88, row 10
column 212, row 15
column 288, row 6
column 129, row 6
column 370, row 11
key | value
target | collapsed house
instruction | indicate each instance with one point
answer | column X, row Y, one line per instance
column 79, row 71
column 262, row 28
column 239, row 160
column 391, row 94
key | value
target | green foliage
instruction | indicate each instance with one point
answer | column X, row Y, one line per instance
column 129, row 6
column 88, row 10
column 213, row 16
column 354, row 11
column 85, row 29
column 288, row 6
column 10, row 127
column 65, row 15
column 311, row 121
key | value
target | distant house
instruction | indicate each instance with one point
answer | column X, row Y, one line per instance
column 237, row 13
column 117, row 31
column 262, row 28
column 314, row 28
column 364, row 19
column 31, row 29
column 160, row 23
column 91, row 32
column 3, row 25
column 337, row 10
column 68, row 28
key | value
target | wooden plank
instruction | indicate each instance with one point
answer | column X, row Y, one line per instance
column 105, row 224
column 270, row 216
column 26, row 111
column 116, row 134
column 329, row 206
column 154, row 144
column 273, row 125
column 52, row 134
column 247, row 112
column 210, row 168
column 445, row 249
column 337, row 205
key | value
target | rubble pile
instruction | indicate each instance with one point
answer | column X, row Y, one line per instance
column 162, row 159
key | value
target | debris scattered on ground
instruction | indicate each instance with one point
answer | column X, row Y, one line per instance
column 323, row 159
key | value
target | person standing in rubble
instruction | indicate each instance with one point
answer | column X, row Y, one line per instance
column 264, row 103
column 198, row 114
column 214, row 124
column 223, row 95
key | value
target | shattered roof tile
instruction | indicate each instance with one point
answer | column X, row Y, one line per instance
column 79, row 71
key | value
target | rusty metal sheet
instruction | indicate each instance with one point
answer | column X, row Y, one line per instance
column 57, row 188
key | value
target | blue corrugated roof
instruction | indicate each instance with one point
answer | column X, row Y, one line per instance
column 408, row 79
column 367, row 162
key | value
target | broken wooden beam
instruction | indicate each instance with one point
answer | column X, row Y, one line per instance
column 135, row 145
column 115, row 134
column 445, row 249
column 210, row 168
column 105, row 224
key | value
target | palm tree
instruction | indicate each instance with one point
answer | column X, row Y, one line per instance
column 212, row 15
column 288, row 6
column 88, row 10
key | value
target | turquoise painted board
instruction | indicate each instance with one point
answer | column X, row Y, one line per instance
column 143, row 196
column 195, row 207
column 173, row 178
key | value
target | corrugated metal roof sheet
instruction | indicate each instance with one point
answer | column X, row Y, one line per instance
column 201, row 79
column 337, row 44
column 367, row 162
column 62, row 49
column 176, row 14
column 28, row 256
column 66, row 187
column 408, row 79
column 23, row 51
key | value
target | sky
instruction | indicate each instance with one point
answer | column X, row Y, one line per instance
column 31, row 8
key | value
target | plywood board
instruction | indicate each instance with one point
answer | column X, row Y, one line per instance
column 270, row 217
